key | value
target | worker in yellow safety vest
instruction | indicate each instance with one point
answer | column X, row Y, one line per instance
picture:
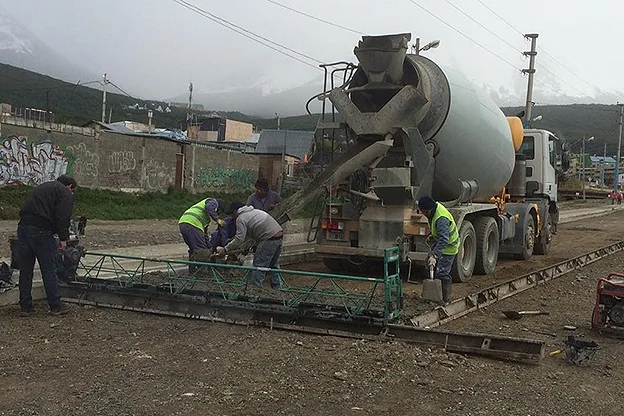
column 445, row 242
column 195, row 220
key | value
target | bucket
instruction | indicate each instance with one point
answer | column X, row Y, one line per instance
column 579, row 352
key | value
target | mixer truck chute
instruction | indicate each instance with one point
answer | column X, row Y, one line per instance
column 418, row 129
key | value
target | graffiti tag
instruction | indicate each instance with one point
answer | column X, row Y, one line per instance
column 225, row 177
column 158, row 175
column 30, row 164
column 82, row 161
column 123, row 161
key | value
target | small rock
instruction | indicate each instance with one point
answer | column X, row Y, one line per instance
column 448, row 363
column 299, row 343
column 569, row 327
column 356, row 408
column 87, row 307
column 340, row 375
column 188, row 394
column 422, row 364
column 53, row 325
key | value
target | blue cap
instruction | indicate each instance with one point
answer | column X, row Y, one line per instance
column 426, row 203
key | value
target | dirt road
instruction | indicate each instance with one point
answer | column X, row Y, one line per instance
column 105, row 362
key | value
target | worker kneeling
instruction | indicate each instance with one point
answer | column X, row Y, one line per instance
column 445, row 242
column 257, row 225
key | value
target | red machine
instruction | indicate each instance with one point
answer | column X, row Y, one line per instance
column 608, row 313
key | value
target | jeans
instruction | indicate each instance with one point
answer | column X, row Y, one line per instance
column 267, row 255
column 194, row 238
column 36, row 243
column 442, row 268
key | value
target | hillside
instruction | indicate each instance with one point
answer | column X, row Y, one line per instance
column 80, row 104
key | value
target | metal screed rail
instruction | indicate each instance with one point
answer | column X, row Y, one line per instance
column 317, row 303
column 495, row 293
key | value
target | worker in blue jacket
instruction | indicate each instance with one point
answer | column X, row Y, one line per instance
column 445, row 238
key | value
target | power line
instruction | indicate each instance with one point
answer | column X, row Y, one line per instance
column 565, row 67
column 483, row 26
column 357, row 32
column 465, row 36
column 500, row 17
column 511, row 46
column 542, row 49
column 249, row 34
column 122, row 91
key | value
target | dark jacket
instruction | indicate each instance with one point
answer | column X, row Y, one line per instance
column 49, row 207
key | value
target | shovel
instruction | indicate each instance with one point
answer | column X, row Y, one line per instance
column 432, row 288
column 515, row 315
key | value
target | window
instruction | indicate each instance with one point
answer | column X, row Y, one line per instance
column 528, row 147
column 552, row 148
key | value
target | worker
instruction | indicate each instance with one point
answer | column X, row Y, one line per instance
column 445, row 242
column 194, row 222
column 47, row 212
column 222, row 235
column 256, row 224
column 264, row 198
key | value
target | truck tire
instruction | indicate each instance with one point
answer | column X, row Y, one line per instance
column 542, row 245
column 464, row 263
column 528, row 244
column 487, row 245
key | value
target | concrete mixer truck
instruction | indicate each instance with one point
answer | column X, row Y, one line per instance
column 416, row 129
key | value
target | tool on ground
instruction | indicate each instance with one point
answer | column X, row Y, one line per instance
column 515, row 315
column 432, row 288
column 580, row 352
column 608, row 315
column 555, row 352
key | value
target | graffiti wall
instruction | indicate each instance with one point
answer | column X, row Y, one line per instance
column 30, row 162
column 32, row 156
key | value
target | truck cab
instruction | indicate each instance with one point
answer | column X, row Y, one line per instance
column 542, row 152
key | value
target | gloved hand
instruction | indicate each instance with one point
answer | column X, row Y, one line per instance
column 221, row 222
column 221, row 252
column 432, row 261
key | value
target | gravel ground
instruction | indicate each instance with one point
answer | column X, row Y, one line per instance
column 106, row 362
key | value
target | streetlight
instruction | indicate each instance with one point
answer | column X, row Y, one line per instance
column 431, row 45
column 583, row 156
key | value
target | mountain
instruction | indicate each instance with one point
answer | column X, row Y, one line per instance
column 80, row 104
column 20, row 48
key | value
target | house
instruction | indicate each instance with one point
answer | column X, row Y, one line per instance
column 298, row 143
column 216, row 128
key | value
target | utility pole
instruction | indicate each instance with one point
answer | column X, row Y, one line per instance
column 284, row 166
column 278, row 122
column 104, row 99
column 616, row 182
column 583, row 156
column 531, row 71
column 604, row 157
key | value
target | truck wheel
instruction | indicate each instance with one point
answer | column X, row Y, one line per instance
column 487, row 245
column 542, row 245
column 529, row 239
column 464, row 263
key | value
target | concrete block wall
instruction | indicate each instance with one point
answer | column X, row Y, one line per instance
column 113, row 161
column 210, row 169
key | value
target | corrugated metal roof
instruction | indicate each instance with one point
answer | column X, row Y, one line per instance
column 598, row 159
column 298, row 143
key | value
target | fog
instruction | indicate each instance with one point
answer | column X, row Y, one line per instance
column 155, row 48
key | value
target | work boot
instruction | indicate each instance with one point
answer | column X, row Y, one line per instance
column 63, row 310
column 446, row 291
column 28, row 312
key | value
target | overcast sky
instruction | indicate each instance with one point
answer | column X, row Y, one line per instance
column 155, row 47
